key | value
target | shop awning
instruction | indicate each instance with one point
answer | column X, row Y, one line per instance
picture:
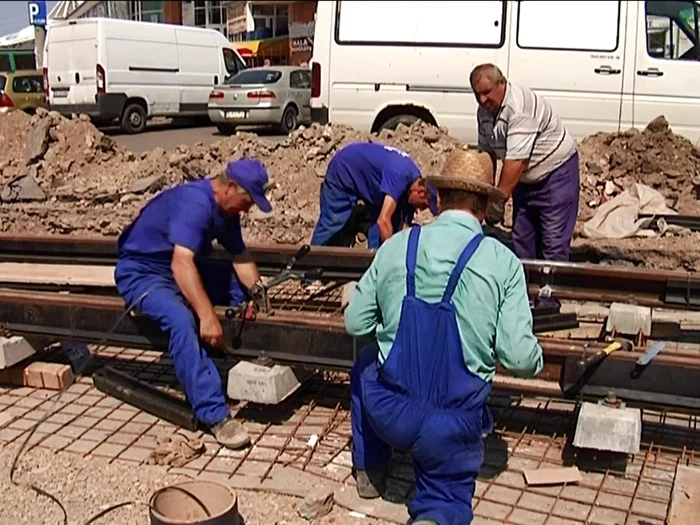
column 269, row 47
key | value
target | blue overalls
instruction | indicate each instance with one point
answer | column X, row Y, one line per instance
column 147, row 283
column 337, row 206
column 423, row 399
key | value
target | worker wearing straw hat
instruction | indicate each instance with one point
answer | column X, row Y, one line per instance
column 444, row 304
column 540, row 164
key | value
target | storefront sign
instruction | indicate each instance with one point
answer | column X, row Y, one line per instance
column 301, row 37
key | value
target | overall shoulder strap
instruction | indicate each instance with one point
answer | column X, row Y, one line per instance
column 462, row 262
column 411, row 257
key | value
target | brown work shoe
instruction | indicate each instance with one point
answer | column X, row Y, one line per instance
column 370, row 483
column 230, row 434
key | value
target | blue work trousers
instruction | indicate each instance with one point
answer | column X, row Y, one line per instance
column 423, row 399
column 148, row 285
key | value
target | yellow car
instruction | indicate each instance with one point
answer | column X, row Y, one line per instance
column 22, row 90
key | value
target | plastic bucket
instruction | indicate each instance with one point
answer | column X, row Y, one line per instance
column 194, row 503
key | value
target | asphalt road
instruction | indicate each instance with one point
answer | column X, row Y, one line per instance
column 169, row 136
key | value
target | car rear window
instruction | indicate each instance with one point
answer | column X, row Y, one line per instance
column 3, row 81
column 255, row 76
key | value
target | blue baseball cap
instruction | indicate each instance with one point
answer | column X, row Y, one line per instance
column 251, row 175
column 433, row 198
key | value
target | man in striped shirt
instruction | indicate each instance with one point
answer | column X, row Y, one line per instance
column 540, row 164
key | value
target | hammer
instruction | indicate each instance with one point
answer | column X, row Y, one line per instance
column 585, row 368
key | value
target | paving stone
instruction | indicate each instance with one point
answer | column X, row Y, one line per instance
column 121, row 415
column 36, row 414
column 60, row 418
column 82, row 446
column 650, row 508
column 22, row 424
column 502, row 495
column 79, row 388
column 511, row 479
column 88, row 400
column 98, row 412
column 570, row 509
column 73, row 409
column 85, row 421
column 536, row 502
column 252, row 469
column 108, row 450
column 526, row 517
column 29, row 402
column 22, row 391
column 9, row 434
column 492, row 510
column 95, row 435
column 143, row 417
column 49, row 428
column 554, row 520
column 225, row 465
column 621, row 485
column 135, row 428
column 654, row 491
column 578, row 493
column 36, row 438
column 640, row 520
column 119, row 438
column 109, row 425
column 71, row 431
column 15, row 411
column 109, row 402
column 603, row 516
column 56, row 442
column 135, row 454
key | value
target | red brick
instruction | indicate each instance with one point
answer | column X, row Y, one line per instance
column 53, row 376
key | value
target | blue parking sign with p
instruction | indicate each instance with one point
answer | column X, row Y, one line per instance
column 37, row 13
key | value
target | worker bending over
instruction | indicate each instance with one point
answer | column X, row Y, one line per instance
column 540, row 164
column 443, row 303
column 162, row 274
column 385, row 179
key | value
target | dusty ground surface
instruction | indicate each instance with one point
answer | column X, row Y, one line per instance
column 78, row 181
column 87, row 486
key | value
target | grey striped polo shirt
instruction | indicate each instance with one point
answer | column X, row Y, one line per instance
column 526, row 128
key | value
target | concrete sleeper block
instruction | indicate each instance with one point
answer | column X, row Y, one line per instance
column 629, row 319
column 13, row 350
column 606, row 428
column 266, row 385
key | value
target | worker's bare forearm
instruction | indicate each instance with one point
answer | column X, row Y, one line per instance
column 510, row 176
column 190, row 283
column 386, row 230
column 246, row 270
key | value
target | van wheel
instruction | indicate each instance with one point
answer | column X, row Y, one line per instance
column 134, row 119
column 289, row 120
column 226, row 129
column 393, row 122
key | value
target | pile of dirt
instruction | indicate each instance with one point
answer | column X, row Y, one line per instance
column 656, row 157
column 64, row 176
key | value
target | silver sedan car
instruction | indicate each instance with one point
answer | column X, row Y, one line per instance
column 275, row 95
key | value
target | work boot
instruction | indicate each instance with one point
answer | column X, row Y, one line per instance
column 230, row 433
column 369, row 483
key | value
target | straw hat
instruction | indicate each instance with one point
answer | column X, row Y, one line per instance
column 468, row 170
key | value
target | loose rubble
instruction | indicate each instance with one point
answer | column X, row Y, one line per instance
column 63, row 176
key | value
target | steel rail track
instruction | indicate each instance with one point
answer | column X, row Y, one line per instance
column 576, row 281
column 306, row 339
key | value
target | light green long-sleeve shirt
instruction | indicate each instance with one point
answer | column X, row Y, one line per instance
column 493, row 311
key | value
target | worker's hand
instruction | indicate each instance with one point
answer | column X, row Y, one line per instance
column 495, row 213
column 348, row 292
column 258, row 294
column 210, row 331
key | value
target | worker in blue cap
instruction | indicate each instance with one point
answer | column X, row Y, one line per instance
column 162, row 273
column 387, row 182
column 445, row 304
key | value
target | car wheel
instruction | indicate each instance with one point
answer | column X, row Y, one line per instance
column 393, row 122
column 134, row 119
column 226, row 129
column 290, row 120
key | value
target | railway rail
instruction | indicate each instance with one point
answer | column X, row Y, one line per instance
column 571, row 281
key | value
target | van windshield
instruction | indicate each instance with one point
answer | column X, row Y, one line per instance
column 3, row 81
column 233, row 62
column 255, row 76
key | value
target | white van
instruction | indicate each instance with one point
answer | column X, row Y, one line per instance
column 603, row 65
column 130, row 71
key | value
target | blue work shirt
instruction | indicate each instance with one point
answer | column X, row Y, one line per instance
column 371, row 171
column 493, row 310
column 186, row 215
